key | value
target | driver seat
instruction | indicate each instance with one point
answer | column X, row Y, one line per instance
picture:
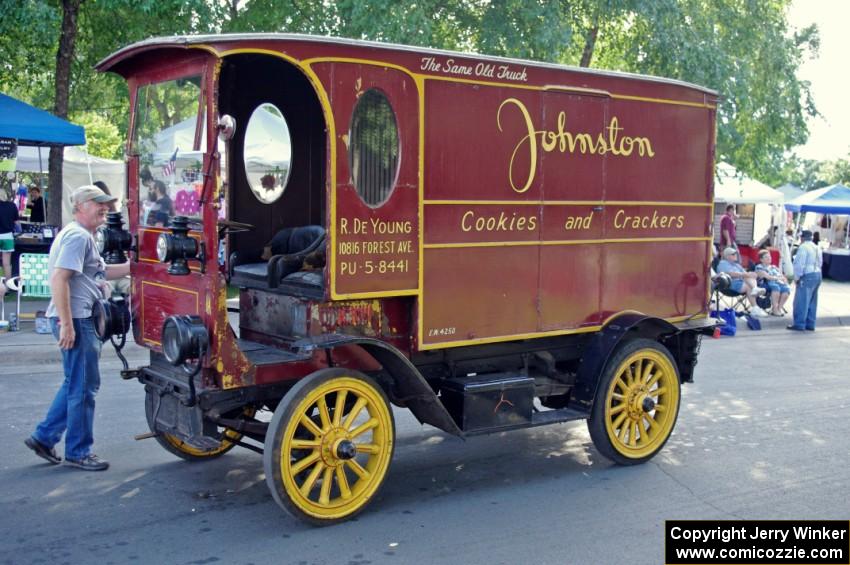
column 289, row 248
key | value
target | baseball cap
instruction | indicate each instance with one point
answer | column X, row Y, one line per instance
column 90, row 192
column 806, row 234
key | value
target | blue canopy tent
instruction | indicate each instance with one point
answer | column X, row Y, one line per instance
column 31, row 126
column 833, row 199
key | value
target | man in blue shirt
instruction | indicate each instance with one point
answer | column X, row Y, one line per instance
column 807, row 273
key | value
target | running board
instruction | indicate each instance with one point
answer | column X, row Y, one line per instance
column 542, row 418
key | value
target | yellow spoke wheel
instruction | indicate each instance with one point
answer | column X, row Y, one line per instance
column 181, row 449
column 329, row 445
column 636, row 404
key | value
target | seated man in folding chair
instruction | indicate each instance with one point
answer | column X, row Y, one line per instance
column 743, row 282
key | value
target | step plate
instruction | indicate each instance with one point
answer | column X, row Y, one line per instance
column 538, row 419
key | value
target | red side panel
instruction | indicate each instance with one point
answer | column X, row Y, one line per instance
column 551, row 210
column 376, row 249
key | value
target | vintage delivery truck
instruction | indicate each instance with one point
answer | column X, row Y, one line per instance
column 491, row 243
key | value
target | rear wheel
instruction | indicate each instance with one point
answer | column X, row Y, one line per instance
column 636, row 404
column 329, row 446
column 181, row 449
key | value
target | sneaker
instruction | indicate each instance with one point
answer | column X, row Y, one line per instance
column 42, row 450
column 90, row 462
column 758, row 312
column 757, row 291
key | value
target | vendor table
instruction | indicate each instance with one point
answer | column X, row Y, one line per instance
column 836, row 264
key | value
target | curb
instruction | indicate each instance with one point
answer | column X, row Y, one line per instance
column 774, row 325
column 32, row 349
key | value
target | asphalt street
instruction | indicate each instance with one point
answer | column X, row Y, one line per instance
column 762, row 433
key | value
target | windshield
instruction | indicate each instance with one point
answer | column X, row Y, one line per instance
column 169, row 138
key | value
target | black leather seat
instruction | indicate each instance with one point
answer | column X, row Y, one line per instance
column 289, row 247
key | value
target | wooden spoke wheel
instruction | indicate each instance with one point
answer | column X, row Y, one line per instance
column 181, row 449
column 636, row 404
column 329, row 446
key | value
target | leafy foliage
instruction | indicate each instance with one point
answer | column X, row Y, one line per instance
column 742, row 48
column 102, row 136
column 809, row 174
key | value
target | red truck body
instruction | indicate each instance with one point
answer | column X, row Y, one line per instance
column 519, row 212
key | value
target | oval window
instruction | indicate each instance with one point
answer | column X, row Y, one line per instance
column 267, row 152
column 374, row 148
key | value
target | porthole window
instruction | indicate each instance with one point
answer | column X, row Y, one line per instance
column 267, row 152
column 373, row 154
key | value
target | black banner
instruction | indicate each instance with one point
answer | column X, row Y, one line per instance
column 760, row 542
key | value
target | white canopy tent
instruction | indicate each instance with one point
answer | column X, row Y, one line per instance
column 267, row 151
column 262, row 151
column 732, row 187
column 78, row 168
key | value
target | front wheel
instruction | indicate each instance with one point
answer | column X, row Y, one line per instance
column 329, row 446
column 636, row 404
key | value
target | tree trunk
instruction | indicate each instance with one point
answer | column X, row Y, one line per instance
column 64, row 58
column 589, row 44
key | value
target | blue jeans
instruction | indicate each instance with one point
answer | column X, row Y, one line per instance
column 806, row 301
column 72, row 410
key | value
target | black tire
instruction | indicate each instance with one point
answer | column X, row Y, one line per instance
column 633, row 416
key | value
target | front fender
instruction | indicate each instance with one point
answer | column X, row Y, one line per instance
column 409, row 387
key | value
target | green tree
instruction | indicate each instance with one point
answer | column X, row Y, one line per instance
column 102, row 136
column 744, row 49
column 837, row 171
column 48, row 50
column 804, row 173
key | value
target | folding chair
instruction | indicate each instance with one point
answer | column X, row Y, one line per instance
column 32, row 278
column 6, row 285
column 726, row 298
column 729, row 299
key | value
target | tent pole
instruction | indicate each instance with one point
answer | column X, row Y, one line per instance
column 88, row 162
column 40, row 168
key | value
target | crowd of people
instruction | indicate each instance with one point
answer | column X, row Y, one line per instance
column 765, row 278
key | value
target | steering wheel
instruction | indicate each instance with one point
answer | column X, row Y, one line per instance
column 227, row 227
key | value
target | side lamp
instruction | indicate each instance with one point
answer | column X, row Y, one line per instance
column 112, row 240
column 178, row 248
